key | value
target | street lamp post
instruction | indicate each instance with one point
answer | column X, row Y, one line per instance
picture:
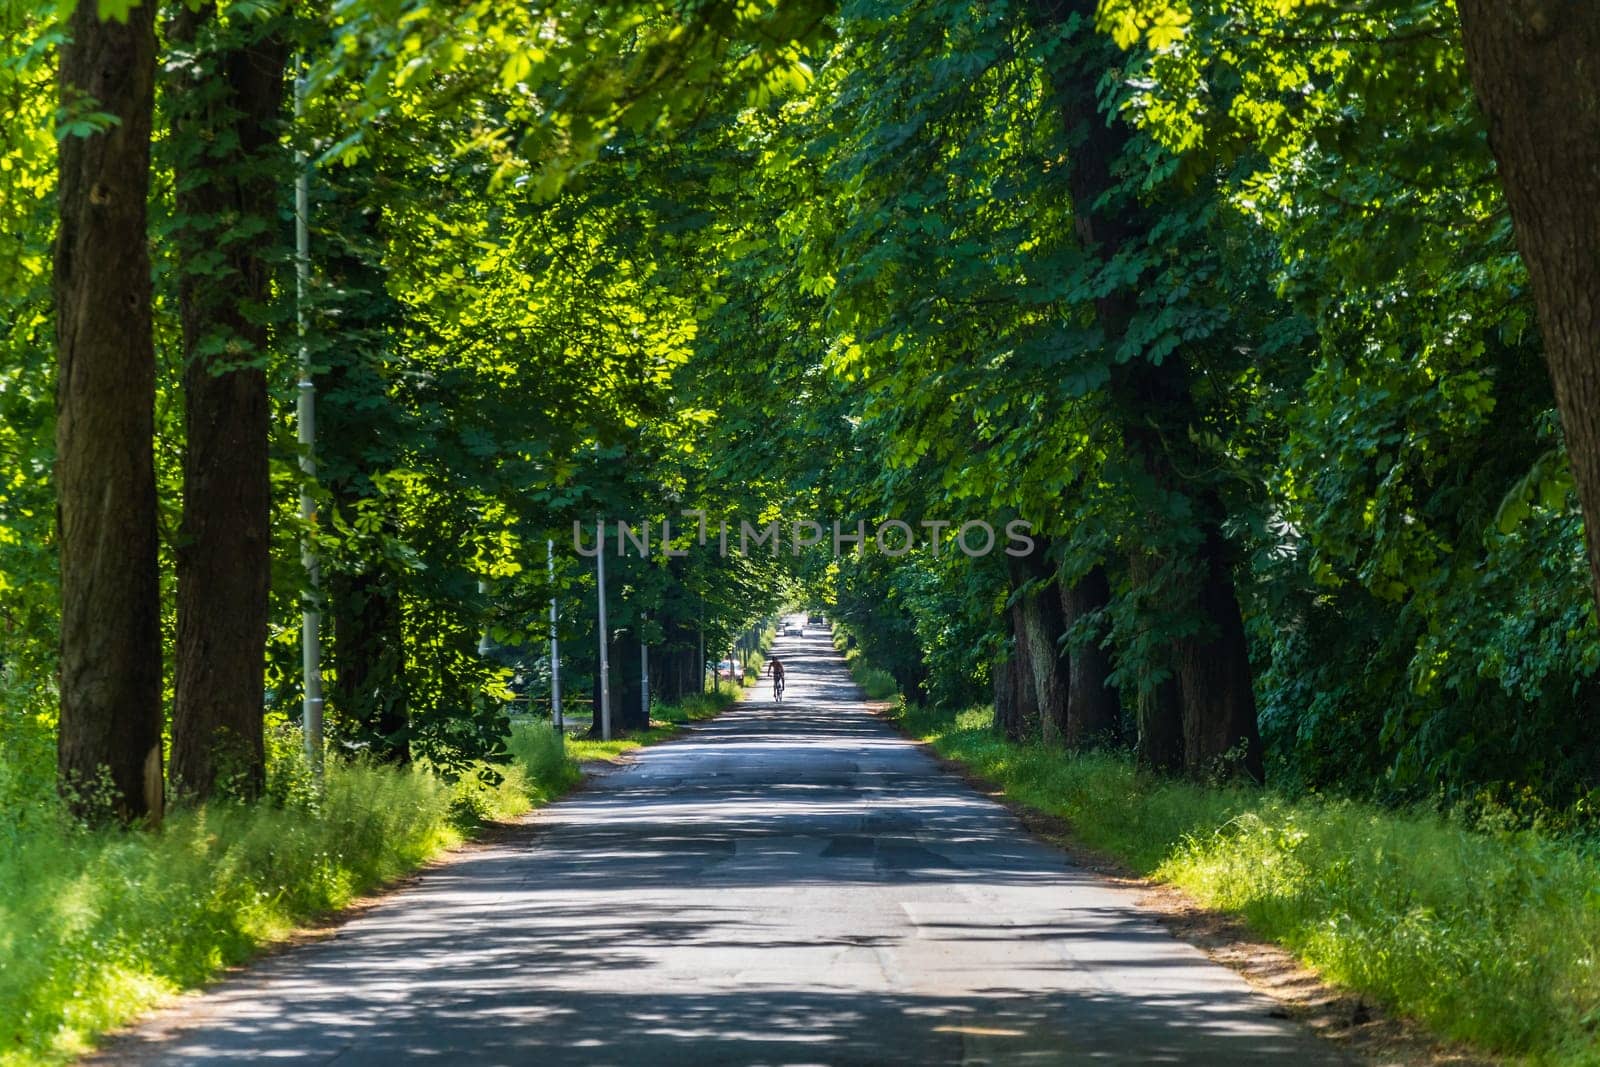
column 605, row 667
column 555, row 650
column 306, row 435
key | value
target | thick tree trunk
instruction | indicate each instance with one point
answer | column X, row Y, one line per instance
column 361, row 433
column 1008, row 718
column 1094, row 713
column 1157, row 409
column 1026, row 717
column 1535, row 67
column 627, row 710
column 111, row 715
column 1158, row 744
column 1041, row 628
column 1221, row 737
column 913, row 683
column 227, row 106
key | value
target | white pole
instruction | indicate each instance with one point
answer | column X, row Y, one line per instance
column 306, row 432
column 605, row 667
column 483, row 641
column 555, row 649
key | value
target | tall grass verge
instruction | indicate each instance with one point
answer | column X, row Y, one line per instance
column 97, row 926
column 1487, row 934
column 876, row 683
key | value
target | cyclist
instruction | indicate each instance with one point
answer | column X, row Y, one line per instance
column 775, row 669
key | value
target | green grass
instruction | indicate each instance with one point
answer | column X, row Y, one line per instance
column 877, row 684
column 97, row 926
column 1486, row 934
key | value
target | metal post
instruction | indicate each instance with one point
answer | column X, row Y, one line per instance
column 483, row 641
column 605, row 666
column 555, row 650
column 306, row 433
column 644, row 680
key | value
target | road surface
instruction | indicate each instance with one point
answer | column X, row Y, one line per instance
column 793, row 884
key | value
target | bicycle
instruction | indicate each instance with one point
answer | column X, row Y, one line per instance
column 777, row 688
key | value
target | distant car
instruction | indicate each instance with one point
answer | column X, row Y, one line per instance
column 814, row 620
column 794, row 628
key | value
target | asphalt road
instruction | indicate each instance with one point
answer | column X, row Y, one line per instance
column 794, row 884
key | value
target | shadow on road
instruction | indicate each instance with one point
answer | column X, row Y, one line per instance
column 791, row 884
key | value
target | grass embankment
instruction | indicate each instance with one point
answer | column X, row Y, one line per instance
column 877, row 684
column 97, row 926
column 1485, row 934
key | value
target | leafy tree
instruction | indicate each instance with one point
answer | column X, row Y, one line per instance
column 226, row 97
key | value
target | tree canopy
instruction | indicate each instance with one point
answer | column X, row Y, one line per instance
column 1253, row 314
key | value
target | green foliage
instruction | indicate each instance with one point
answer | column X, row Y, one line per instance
column 1484, row 932
column 793, row 260
column 29, row 34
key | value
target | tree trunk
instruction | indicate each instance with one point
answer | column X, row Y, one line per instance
column 1156, row 411
column 111, row 714
column 1221, row 737
column 1094, row 713
column 361, row 434
column 228, row 103
column 1212, row 661
column 1007, row 707
column 627, row 711
column 1158, row 745
column 1026, row 717
column 1041, row 629
column 1534, row 66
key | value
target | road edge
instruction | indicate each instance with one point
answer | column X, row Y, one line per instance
column 1341, row 1016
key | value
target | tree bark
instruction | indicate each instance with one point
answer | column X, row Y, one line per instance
column 1041, row 627
column 111, row 714
column 1094, row 712
column 228, row 102
column 1003, row 674
column 1535, row 68
column 361, row 431
column 1159, row 746
column 627, row 711
column 1026, row 716
column 1158, row 714
column 1221, row 737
